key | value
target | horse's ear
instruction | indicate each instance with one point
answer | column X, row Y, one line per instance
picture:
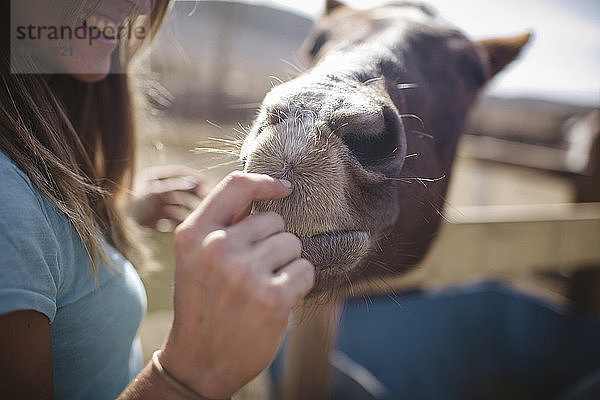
column 499, row 52
column 331, row 5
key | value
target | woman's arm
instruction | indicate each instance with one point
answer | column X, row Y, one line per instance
column 25, row 356
column 236, row 279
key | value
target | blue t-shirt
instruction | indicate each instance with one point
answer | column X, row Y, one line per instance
column 45, row 267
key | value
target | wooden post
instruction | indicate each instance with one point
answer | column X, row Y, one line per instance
column 307, row 372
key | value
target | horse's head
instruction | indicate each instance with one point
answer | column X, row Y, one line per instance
column 368, row 134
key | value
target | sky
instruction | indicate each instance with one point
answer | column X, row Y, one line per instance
column 562, row 63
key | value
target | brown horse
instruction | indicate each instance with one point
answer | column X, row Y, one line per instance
column 368, row 135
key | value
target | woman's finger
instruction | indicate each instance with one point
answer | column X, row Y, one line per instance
column 170, row 178
column 258, row 226
column 295, row 280
column 276, row 251
column 175, row 213
column 232, row 196
column 176, row 184
column 183, row 199
column 240, row 215
column 170, row 171
column 191, row 200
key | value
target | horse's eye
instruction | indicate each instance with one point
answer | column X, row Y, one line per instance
column 318, row 42
column 380, row 149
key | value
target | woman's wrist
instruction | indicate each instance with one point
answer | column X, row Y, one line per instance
column 180, row 367
column 149, row 385
column 152, row 384
column 173, row 381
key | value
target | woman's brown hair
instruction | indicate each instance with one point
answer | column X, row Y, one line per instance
column 75, row 140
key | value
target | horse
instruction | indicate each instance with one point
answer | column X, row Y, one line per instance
column 367, row 135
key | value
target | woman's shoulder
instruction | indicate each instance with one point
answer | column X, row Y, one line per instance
column 19, row 198
column 12, row 177
column 23, row 202
column 28, row 272
column 27, row 216
column 24, row 209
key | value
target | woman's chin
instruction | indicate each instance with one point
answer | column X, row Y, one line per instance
column 90, row 69
column 90, row 63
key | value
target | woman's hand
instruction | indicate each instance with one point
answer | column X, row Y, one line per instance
column 236, row 279
column 164, row 196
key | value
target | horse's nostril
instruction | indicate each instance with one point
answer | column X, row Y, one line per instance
column 276, row 114
column 376, row 140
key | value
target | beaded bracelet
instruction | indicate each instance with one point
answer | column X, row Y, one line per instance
column 167, row 377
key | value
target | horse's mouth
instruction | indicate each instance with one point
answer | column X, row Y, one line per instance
column 340, row 250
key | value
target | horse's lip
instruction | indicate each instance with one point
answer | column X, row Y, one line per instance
column 342, row 249
column 338, row 235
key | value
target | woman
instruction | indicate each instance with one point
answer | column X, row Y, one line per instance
column 70, row 302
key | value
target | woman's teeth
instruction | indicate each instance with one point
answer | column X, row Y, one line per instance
column 97, row 22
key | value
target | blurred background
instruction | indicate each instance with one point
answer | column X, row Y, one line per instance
column 523, row 201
